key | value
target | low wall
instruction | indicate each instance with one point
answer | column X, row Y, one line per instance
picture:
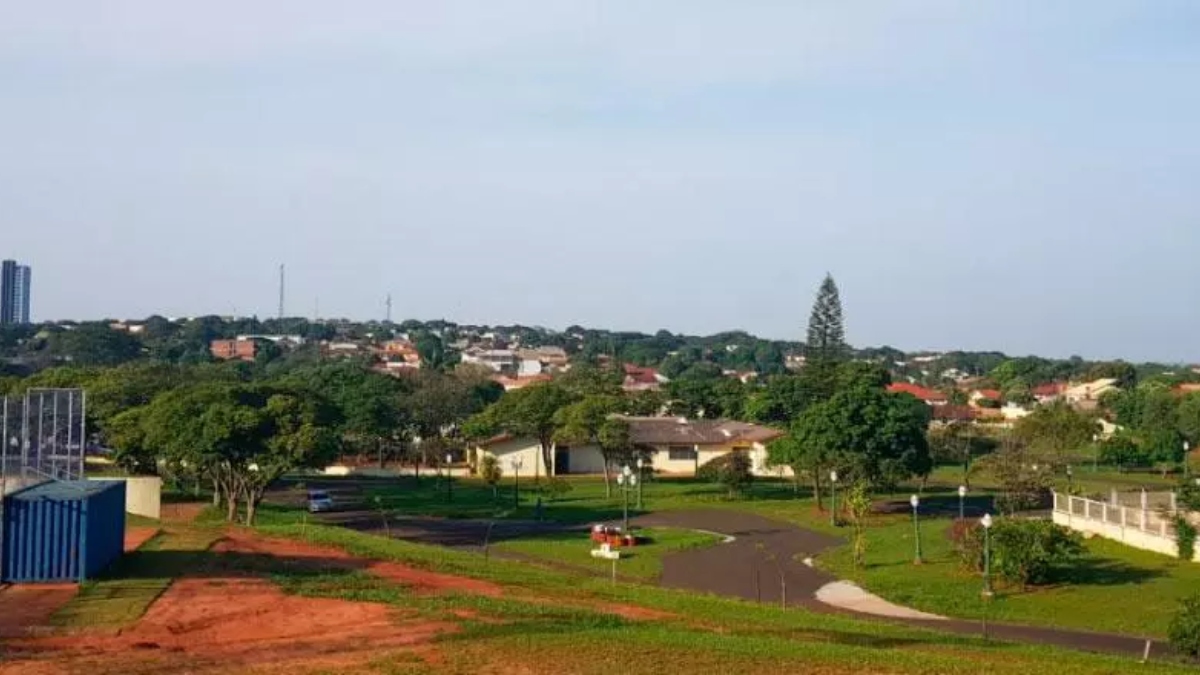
column 1138, row 528
column 143, row 495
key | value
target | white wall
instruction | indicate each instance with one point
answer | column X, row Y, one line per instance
column 1129, row 526
column 527, row 450
column 143, row 495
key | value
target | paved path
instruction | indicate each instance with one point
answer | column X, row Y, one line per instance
column 744, row 568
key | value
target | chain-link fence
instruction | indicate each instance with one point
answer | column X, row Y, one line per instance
column 43, row 435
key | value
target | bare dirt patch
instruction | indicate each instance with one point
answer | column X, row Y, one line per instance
column 419, row 581
column 239, row 623
column 25, row 607
column 136, row 536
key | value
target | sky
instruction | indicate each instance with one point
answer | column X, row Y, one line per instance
column 1009, row 175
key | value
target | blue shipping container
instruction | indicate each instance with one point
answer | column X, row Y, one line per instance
column 62, row 531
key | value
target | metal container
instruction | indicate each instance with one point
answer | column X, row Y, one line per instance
column 62, row 531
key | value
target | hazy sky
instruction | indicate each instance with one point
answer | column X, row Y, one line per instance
column 1020, row 176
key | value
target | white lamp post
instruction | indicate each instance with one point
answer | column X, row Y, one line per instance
column 641, row 479
column 833, row 480
column 962, row 496
column 916, row 502
column 516, row 463
column 986, row 521
column 626, row 480
column 449, row 479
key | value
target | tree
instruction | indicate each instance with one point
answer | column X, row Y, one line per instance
column 866, row 434
column 826, row 332
column 1053, row 430
column 1024, row 478
column 431, row 350
column 733, row 470
column 1122, row 451
column 95, row 344
column 529, row 413
column 240, row 437
column 1184, row 630
column 588, row 422
column 1188, row 418
column 490, row 472
column 858, row 504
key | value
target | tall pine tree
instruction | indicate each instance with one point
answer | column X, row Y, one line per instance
column 826, row 334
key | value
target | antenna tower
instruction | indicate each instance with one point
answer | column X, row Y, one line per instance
column 281, row 287
column 388, row 303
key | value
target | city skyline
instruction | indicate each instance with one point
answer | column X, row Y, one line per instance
column 688, row 165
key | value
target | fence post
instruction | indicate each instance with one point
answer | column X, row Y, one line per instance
column 1114, row 497
column 1104, row 513
column 1144, row 526
column 1087, row 509
column 1174, row 502
column 1055, row 494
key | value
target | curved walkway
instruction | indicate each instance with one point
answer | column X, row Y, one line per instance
column 770, row 560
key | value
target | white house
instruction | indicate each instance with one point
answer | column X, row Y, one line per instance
column 674, row 446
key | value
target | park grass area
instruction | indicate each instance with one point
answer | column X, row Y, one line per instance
column 1114, row 588
column 642, row 562
column 552, row 621
column 123, row 592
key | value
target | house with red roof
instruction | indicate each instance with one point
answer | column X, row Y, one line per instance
column 639, row 378
column 929, row 396
column 980, row 398
column 1050, row 391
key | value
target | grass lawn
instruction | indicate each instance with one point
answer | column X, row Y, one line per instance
column 1114, row 589
column 643, row 562
column 1118, row 589
column 125, row 590
column 548, row 621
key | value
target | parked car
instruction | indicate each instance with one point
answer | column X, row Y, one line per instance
column 319, row 500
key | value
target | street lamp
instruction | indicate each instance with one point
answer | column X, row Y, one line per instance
column 916, row 502
column 516, row 463
column 449, row 479
column 962, row 495
column 1096, row 454
column 641, row 479
column 626, row 480
column 1070, row 479
column 986, row 521
column 833, row 479
column 1187, row 448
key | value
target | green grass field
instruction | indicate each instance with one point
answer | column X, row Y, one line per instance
column 1116, row 588
column 642, row 562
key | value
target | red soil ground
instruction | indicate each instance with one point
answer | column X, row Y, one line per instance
column 238, row 624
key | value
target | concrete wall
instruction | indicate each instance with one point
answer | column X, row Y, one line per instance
column 1133, row 527
column 525, row 450
column 143, row 495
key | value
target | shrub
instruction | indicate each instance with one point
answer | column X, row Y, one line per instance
column 1184, row 630
column 557, row 487
column 731, row 470
column 1024, row 552
column 490, row 472
column 1185, row 537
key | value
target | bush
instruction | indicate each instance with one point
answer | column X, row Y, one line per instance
column 490, row 472
column 557, row 488
column 1184, row 630
column 1024, row 552
column 1123, row 452
column 731, row 470
column 1185, row 537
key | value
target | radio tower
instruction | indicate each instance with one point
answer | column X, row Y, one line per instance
column 388, row 303
column 281, row 286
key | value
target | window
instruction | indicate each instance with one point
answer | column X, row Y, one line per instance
column 681, row 453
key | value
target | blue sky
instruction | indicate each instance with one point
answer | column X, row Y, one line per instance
column 1011, row 175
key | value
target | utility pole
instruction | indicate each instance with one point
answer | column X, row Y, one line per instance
column 281, row 287
column 388, row 304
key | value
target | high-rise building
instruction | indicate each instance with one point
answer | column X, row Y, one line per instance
column 15, row 282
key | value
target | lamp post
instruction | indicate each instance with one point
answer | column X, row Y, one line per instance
column 1070, row 479
column 626, row 480
column 641, row 479
column 986, row 521
column 516, row 463
column 1187, row 448
column 962, row 496
column 916, row 502
column 449, row 479
column 1096, row 453
column 833, row 479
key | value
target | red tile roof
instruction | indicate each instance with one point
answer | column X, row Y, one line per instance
column 640, row 375
column 923, row 393
column 954, row 413
column 1049, row 389
column 993, row 394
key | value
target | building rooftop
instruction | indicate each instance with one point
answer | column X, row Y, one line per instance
column 64, row 490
